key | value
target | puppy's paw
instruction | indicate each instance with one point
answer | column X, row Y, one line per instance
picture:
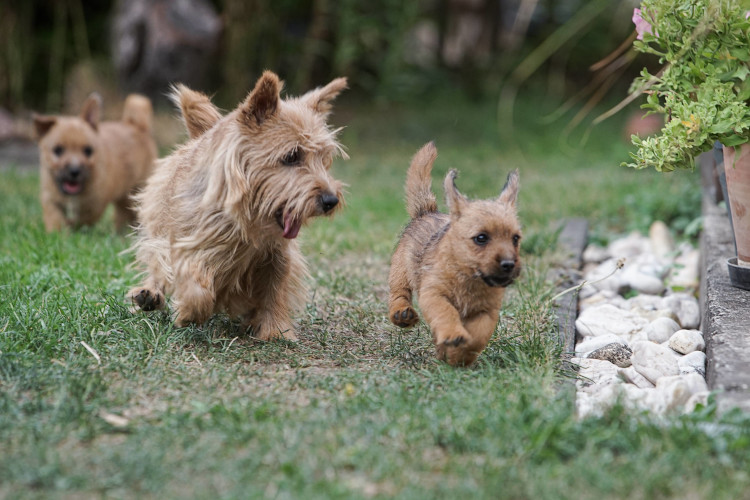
column 456, row 352
column 147, row 300
column 454, row 341
column 405, row 317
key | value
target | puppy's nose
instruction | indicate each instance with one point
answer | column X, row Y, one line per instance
column 507, row 265
column 328, row 201
column 74, row 171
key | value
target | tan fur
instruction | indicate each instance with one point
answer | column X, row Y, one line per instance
column 460, row 283
column 219, row 217
column 87, row 164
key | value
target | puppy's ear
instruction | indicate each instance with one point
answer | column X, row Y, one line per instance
column 263, row 101
column 456, row 201
column 92, row 109
column 198, row 112
column 509, row 194
column 320, row 99
column 43, row 124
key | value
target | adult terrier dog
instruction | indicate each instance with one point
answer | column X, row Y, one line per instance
column 219, row 218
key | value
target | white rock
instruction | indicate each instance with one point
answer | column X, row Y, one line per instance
column 699, row 398
column 673, row 392
column 600, row 297
column 695, row 362
column 687, row 341
column 631, row 376
column 593, row 343
column 629, row 247
column 645, row 302
column 686, row 308
column 660, row 238
column 685, row 272
column 604, row 319
column 642, row 282
column 595, row 373
column 677, row 390
column 661, row 329
column 605, row 276
column 653, row 361
column 595, row 253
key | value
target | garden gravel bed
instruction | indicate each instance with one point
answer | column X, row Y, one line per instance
column 638, row 338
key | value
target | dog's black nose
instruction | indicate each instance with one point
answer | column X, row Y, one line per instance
column 507, row 265
column 328, row 201
column 74, row 171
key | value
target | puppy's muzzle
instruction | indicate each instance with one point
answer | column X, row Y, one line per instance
column 72, row 179
column 506, row 273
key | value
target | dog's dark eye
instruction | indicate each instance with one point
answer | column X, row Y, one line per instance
column 58, row 150
column 292, row 158
column 481, row 239
column 516, row 239
column 88, row 151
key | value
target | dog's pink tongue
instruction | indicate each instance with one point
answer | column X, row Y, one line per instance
column 72, row 187
column 291, row 227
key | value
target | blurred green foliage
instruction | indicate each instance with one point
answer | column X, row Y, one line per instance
column 389, row 49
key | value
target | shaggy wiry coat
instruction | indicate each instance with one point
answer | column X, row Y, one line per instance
column 219, row 218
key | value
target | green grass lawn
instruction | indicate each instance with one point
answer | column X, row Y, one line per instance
column 357, row 408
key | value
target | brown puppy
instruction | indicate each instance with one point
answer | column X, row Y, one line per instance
column 458, row 264
column 219, row 218
column 87, row 164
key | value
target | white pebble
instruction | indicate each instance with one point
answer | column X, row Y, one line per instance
column 687, row 341
column 653, row 361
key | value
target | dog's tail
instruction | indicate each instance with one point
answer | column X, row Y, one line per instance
column 420, row 199
column 138, row 112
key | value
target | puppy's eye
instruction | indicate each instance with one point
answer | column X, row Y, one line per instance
column 292, row 158
column 481, row 239
column 516, row 239
column 88, row 151
column 58, row 150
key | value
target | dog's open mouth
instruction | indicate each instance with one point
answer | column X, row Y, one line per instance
column 289, row 224
column 492, row 280
column 71, row 187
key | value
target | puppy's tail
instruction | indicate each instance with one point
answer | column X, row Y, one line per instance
column 198, row 112
column 420, row 199
column 138, row 112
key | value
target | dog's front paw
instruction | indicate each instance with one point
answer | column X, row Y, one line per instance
column 405, row 317
column 147, row 300
column 456, row 351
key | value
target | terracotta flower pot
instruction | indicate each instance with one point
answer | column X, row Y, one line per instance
column 737, row 170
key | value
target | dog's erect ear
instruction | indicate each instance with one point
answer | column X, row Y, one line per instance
column 320, row 99
column 198, row 112
column 456, row 201
column 263, row 101
column 92, row 109
column 509, row 194
column 43, row 124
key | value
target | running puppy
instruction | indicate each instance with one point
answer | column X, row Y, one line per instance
column 458, row 263
column 87, row 164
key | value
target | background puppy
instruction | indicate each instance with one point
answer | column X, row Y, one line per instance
column 87, row 164
column 219, row 218
column 458, row 264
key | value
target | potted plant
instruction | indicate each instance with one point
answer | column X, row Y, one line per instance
column 702, row 90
